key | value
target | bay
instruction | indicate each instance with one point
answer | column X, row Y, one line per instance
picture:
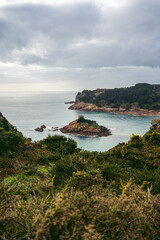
column 28, row 110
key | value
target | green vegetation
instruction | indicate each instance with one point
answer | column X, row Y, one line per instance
column 53, row 190
column 4, row 124
column 142, row 95
column 82, row 120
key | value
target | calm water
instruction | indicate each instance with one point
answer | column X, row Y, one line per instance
column 27, row 111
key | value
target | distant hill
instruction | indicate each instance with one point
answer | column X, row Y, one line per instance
column 142, row 95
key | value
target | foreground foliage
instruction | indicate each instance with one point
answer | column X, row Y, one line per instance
column 53, row 190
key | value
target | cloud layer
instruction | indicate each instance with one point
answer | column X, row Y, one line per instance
column 85, row 40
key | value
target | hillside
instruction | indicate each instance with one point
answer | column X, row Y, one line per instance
column 51, row 189
column 4, row 124
column 143, row 99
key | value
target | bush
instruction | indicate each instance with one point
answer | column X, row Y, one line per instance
column 135, row 141
column 82, row 180
column 153, row 138
column 99, row 214
column 11, row 141
column 19, row 184
column 62, row 170
column 81, row 119
column 59, row 144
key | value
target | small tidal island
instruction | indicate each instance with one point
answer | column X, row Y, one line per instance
column 85, row 127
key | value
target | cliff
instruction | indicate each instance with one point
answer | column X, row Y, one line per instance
column 85, row 127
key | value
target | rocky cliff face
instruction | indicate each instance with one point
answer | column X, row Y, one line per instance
column 85, row 128
column 89, row 107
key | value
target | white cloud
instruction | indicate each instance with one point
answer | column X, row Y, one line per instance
column 16, row 77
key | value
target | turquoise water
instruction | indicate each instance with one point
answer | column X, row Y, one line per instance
column 29, row 110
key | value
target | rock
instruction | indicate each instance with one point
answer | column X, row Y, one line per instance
column 155, row 122
column 40, row 129
column 55, row 129
column 89, row 107
column 155, row 125
column 71, row 102
column 85, row 127
column 43, row 126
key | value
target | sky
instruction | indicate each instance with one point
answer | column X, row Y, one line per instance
column 71, row 45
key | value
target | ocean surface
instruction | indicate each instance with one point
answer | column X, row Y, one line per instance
column 28, row 110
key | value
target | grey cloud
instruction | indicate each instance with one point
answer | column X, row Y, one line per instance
column 133, row 34
column 53, row 27
column 82, row 35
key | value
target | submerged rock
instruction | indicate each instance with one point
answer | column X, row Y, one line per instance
column 71, row 102
column 55, row 129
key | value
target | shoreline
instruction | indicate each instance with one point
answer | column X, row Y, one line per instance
column 88, row 107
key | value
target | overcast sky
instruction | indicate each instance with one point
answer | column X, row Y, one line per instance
column 56, row 45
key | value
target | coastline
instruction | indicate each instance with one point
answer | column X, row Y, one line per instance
column 88, row 107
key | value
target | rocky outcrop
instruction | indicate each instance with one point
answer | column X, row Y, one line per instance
column 40, row 129
column 85, row 127
column 155, row 125
column 155, row 122
column 81, row 106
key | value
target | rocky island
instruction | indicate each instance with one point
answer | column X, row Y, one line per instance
column 85, row 127
column 142, row 99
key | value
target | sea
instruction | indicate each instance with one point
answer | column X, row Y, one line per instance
column 29, row 110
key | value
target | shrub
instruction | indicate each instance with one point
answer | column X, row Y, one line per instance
column 135, row 141
column 153, row 138
column 59, row 144
column 19, row 184
column 11, row 141
column 62, row 170
column 81, row 119
column 99, row 213
column 82, row 180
